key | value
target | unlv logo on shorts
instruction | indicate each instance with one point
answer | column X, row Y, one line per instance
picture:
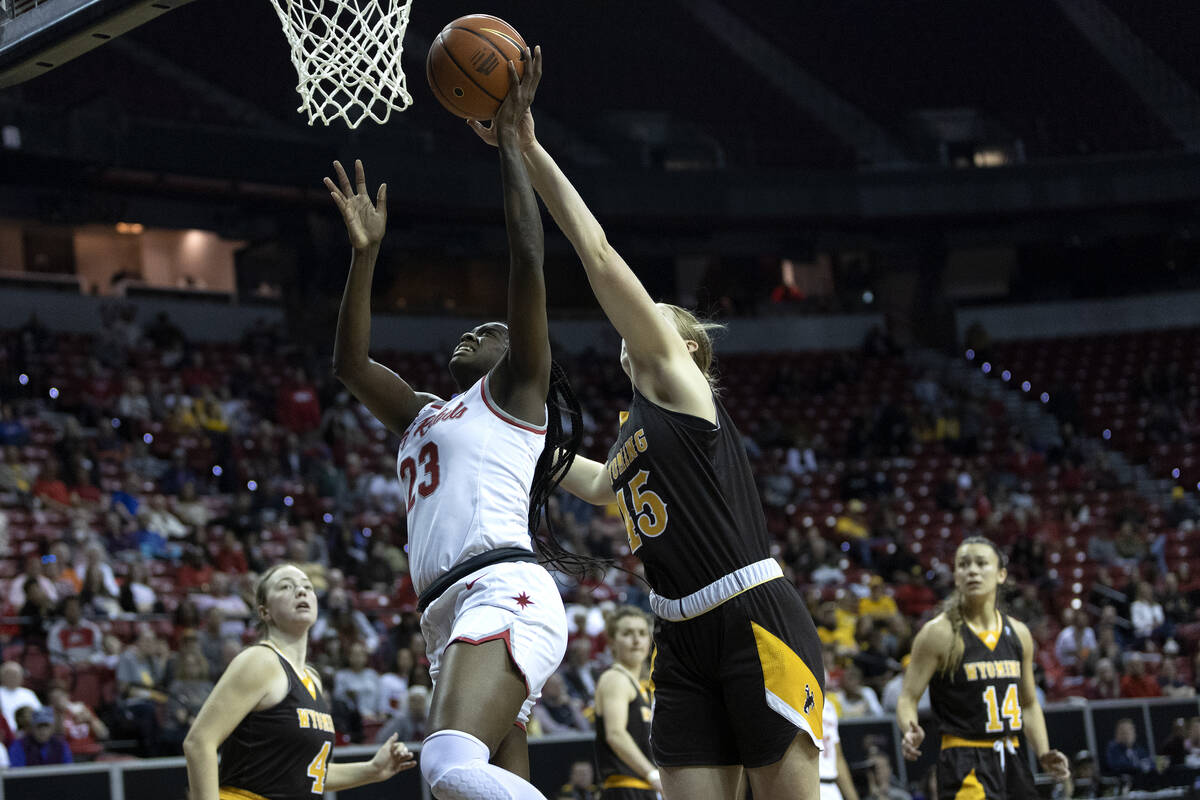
column 484, row 61
column 809, row 700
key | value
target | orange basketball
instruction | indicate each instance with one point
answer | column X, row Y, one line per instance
column 467, row 65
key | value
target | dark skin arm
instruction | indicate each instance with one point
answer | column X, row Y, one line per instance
column 520, row 380
column 383, row 392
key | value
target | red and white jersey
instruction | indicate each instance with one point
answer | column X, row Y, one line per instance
column 466, row 466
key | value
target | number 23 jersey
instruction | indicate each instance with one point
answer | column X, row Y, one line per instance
column 466, row 466
column 687, row 496
column 981, row 700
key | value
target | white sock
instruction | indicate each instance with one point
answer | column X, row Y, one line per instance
column 455, row 764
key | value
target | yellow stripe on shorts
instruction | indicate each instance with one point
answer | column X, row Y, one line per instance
column 792, row 689
column 232, row 793
column 970, row 789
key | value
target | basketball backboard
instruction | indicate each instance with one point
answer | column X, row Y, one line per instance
column 38, row 35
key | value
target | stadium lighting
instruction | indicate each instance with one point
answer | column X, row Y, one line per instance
column 987, row 367
column 216, row 470
column 1107, row 434
column 1006, row 376
column 252, row 485
column 53, row 393
column 148, row 438
column 1026, row 386
column 1045, row 397
column 23, row 379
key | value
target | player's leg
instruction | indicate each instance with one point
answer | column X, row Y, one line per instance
column 702, row 783
column 507, row 638
column 795, row 775
column 478, row 695
column 773, row 675
column 513, row 752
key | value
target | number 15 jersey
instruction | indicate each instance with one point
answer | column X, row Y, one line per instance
column 466, row 466
column 687, row 495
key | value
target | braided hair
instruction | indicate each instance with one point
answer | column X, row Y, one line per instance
column 953, row 606
column 553, row 464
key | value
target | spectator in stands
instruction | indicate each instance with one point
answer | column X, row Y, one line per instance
column 97, row 600
column 13, row 695
column 1131, row 546
column 79, row 724
column 1076, row 642
column 41, row 745
column 409, row 725
column 557, row 711
column 581, row 784
column 1105, row 684
column 231, row 555
column 50, row 489
column 854, row 698
column 882, row 783
column 13, row 430
column 140, row 689
column 187, row 692
column 95, row 556
column 297, row 407
column 137, row 596
column 1123, row 755
column 879, row 605
column 578, row 671
column 195, row 573
column 73, row 640
column 914, row 596
column 1169, row 681
column 1135, row 682
column 37, row 614
column 33, row 571
column 356, row 684
column 1147, row 613
column 14, row 475
column 393, row 685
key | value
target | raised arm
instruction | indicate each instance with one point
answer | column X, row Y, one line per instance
column 588, row 480
column 520, row 381
column 383, row 392
column 661, row 364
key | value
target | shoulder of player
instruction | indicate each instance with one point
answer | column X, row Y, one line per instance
column 615, row 684
column 936, row 633
column 1021, row 630
column 260, row 660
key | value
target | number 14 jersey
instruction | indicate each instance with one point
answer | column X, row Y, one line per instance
column 687, row 495
column 466, row 466
column 981, row 700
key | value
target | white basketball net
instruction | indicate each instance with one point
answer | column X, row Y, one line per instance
column 347, row 57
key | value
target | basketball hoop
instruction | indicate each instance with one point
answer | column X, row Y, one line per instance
column 347, row 57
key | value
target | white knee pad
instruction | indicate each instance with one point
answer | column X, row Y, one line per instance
column 455, row 764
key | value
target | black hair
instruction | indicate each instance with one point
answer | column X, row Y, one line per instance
column 556, row 458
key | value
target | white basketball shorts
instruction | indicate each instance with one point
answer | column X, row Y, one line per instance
column 517, row 602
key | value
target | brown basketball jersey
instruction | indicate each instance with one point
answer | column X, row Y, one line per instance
column 687, row 496
column 282, row 752
column 981, row 699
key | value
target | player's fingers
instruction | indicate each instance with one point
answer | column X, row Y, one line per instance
column 343, row 181
column 535, row 71
column 381, row 207
column 360, row 177
column 513, row 79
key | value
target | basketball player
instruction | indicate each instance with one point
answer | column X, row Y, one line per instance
column 737, row 671
column 492, row 618
column 836, row 781
column 623, row 712
column 268, row 713
column 978, row 665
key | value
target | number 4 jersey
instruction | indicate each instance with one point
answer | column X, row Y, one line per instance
column 466, row 466
column 981, row 700
column 687, row 496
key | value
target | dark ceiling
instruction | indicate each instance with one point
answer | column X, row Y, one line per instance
column 615, row 69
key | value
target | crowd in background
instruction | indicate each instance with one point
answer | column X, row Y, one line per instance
column 146, row 480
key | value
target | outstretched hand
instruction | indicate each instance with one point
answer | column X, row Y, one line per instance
column 392, row 757
column 910, row 745
column 366, row 220
column 514, row 114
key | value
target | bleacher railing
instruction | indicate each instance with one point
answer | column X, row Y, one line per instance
column 1072, row 727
